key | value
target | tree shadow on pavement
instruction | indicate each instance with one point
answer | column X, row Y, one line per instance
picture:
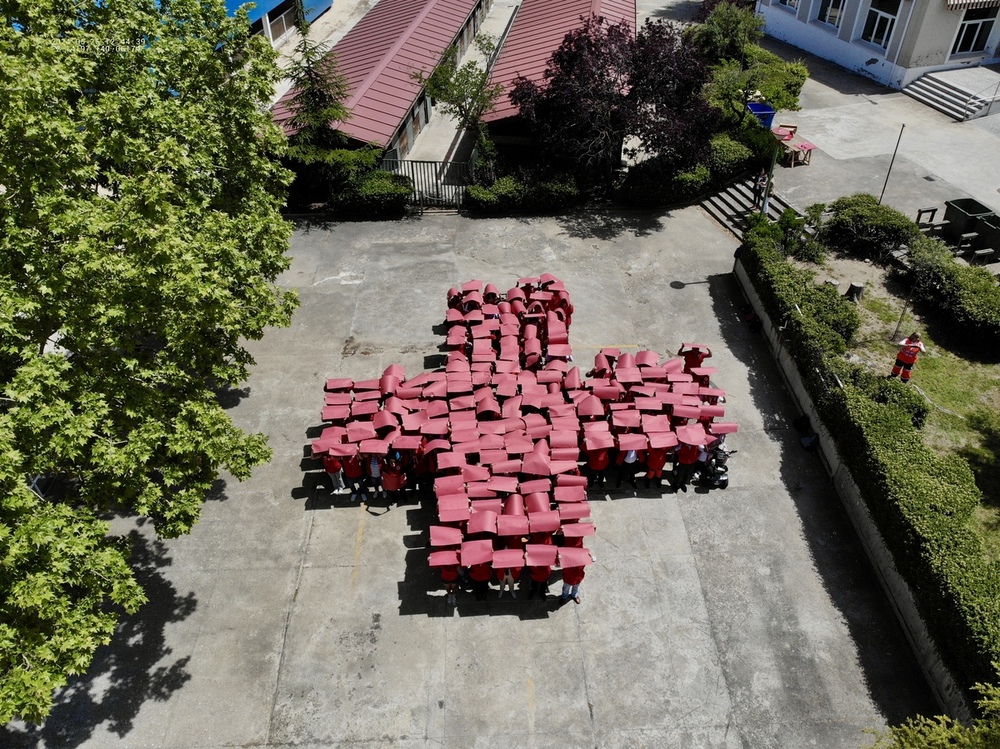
column 134, row 668
column 607, row 224
column 895, row 682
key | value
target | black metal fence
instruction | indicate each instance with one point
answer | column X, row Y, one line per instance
column 436, row 184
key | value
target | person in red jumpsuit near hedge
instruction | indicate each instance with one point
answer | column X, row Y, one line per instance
column 909, row 349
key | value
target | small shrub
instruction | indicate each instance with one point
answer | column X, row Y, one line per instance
column 862, row 228
column 509, row 195
column 810, row 251
column 373, row 195
column 728, row 157
column 691, row 182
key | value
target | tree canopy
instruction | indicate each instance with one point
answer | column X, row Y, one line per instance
column 464, row 92
column 140, row 236
column 605, row 84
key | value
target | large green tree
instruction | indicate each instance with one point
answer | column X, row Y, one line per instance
column 140, row 236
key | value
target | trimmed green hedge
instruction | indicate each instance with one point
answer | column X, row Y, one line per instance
column 727, row 157
column 921, row 503
column 967, row 298
column 375, row 194
column 862, row 228
column 508, row 195
column 817, row 319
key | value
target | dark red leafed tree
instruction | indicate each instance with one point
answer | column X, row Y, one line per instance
column 604, row 85
column 582, row 112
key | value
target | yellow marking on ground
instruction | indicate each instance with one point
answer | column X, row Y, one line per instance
column 608, row 345
column 357, row 548
column 531, row 704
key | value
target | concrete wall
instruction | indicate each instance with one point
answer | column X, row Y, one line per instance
column 947, row 692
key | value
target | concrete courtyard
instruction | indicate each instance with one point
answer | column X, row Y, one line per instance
column 745, row 618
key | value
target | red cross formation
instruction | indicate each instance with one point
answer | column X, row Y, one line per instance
column 503, row 427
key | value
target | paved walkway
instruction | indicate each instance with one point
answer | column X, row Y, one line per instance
column 856, row 124
column 290, row 617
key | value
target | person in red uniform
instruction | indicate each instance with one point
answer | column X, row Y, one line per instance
column 687, row 461
column 909, row 349
column 598, row 461
column 481, row 574
column 656, row 459
column 539, row 581
column 353, row 474
column 694, row 356
column 449, row 576
column 394, row 477
column 572, row 577
column 333, row 466
column 507, row 577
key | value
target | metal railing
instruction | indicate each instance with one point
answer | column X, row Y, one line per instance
column 436, row 184
column 973, row 108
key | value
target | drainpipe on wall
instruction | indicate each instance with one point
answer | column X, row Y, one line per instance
column 906, row 27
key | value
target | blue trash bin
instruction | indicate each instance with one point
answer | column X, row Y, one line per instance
column 763, row 112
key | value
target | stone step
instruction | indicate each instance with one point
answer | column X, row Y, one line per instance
column 945, row 97
column 730, row 207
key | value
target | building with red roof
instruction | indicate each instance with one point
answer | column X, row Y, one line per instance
column 537, row 31
column 379, row 54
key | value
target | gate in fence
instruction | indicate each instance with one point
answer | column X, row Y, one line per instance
column 436, row 184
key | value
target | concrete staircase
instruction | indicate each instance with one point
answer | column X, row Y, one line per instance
column 731, row 206
column 944, row 96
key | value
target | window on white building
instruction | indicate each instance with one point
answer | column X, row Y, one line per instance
column 832, row 12
column 974, row 31
column 281, row 25
column 880, row 22
column 792, row 4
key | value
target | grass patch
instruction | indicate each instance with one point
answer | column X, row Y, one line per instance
column 963, row 394
column 880, row 308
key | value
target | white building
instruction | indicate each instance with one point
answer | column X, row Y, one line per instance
column 891, row 41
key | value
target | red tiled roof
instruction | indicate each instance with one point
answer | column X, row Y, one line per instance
column 377, row 56
column 537, row 32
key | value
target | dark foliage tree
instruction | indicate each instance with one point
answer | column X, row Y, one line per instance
column 605, row 85
column 670, row 117
column 583, row 112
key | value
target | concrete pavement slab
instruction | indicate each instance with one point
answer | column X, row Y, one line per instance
column 292, row 616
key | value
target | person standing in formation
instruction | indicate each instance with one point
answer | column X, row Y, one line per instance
column 572, row 577
column 909, row 349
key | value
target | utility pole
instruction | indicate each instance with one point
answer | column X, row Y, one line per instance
column 893, row 161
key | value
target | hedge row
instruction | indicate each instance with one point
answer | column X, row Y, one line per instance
column 966, row 298
column 921, row 503
column 509, row 195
